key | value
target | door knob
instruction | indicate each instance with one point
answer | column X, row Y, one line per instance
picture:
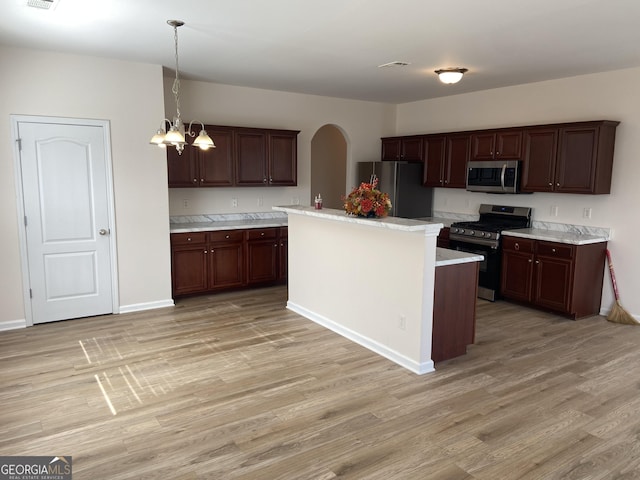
column 103, row 231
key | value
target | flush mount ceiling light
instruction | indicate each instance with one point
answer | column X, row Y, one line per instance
column 176, row 134
column 451, row 75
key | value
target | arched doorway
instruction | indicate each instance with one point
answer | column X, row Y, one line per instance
column 329, row 166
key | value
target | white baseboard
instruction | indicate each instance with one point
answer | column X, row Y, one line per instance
column 138, row 307
column 13, row 324
column 606, row 311
column 366, row 342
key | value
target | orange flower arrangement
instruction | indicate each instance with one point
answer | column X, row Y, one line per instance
column 367, row 201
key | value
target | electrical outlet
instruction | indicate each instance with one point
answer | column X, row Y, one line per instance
column 234, row 202
column 402, row 322
column 586, row 213
column 554, row 210
column 295, row 201
column 260, row 201
column 185, row 203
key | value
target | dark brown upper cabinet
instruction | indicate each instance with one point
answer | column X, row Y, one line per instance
column 504, row 144
column 407, row 148
column 569, row 158
column 445, row 160
column 242, row 157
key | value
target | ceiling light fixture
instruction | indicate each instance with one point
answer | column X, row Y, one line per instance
column 451, row 75
column 176, row 134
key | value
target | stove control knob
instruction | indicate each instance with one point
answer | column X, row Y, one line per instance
column 482, row 234
column 461, row 230
column 472, row 232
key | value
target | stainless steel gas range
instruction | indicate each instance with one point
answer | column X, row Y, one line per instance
column 484, row 237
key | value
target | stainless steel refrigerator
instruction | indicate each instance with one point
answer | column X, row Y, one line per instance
column 403, row 182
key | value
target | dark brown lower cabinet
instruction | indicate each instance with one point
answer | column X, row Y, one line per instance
column 262, row 255
column 226, row 259
column 454, row 310
column 204, row 262
column 563, row 278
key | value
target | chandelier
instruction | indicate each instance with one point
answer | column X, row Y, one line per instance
column 175, row 135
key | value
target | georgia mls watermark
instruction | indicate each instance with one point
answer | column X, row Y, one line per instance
column 35, row 468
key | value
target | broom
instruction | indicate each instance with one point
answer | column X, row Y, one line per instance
column 617, row 313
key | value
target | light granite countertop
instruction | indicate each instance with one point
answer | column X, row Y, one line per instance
column 445, row 256
column 572, row 238
column 227, row 225
column 392, row 223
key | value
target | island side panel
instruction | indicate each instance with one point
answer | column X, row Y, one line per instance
column 454, row 310
column 371, row 284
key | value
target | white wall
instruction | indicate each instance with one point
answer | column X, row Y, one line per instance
column 130, row 96
column 606, row 96
column 362, row 122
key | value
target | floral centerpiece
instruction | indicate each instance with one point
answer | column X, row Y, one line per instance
column 367, row 201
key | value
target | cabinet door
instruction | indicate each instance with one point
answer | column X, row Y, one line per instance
column 251, row 157
column 189, row 269
column 483, row 146
column 508, row 145
column 553, row 283
column 283, row 155
column 182, row 170
column 391, row 148
column 539, row 159
column 216, row 164
column 458, row 149
column 575, row 170
column 411, row 149
column 227, row 265
column 262, row 256
column 517, row 273
column 434, row 147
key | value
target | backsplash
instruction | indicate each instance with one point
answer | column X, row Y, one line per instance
column 557, row 227
column 578, row 229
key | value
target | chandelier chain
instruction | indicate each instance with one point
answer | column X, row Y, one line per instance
column 176, row 83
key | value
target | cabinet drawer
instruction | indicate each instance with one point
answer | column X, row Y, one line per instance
column 188, row 238
column 260, row 233
column 557, row 250
column 518, row 244
column 226, row 236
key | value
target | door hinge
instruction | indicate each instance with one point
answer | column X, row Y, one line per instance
column 30, row 293
column 19, row 142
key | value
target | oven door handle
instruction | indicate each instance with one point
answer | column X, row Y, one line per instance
column 493, row 244
column 502, row 173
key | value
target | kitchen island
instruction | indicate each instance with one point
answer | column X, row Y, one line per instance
column 370, row 280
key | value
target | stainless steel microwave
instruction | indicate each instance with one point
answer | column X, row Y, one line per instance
column 493, row 176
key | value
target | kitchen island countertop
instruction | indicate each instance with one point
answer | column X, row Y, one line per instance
column 446, row 256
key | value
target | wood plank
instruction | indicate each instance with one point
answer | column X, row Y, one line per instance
column 234, row 386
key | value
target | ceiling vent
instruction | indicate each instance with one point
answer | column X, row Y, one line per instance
column 42, row 4
column 396, row 63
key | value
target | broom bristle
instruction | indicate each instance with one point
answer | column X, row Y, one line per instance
column 620, row 315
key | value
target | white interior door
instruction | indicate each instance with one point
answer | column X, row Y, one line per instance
column 66, row 194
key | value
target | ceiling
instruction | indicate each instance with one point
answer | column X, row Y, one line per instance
column 334, row 47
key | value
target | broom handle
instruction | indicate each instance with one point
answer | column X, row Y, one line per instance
column 613, row 276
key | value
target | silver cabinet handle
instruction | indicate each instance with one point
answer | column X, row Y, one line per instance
column 103, row 231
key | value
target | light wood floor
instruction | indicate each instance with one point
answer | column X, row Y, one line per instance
column 234, row 386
